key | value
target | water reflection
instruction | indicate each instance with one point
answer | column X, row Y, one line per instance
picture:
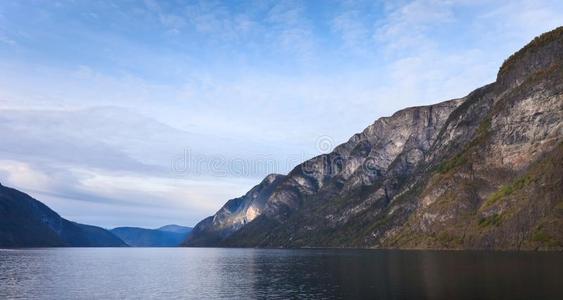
column 252, row 273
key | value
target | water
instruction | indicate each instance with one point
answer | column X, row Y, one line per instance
column 200, row 273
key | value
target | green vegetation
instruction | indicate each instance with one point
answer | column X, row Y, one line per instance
column 484, row 128
column 451, row 164
column 507, row 190
column 542, row 237
column 481, row 134
column 504, row 191
column 460, row 159
column 447, row 238
column 379, row 223
column 492, row 220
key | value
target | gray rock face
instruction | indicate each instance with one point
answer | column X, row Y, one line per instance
column 358, row 162
column 483, row 171
column 234, row 214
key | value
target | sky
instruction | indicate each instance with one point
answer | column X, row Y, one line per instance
column 146, row 113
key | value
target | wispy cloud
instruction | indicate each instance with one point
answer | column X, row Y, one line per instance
column 408, row 26
column 108, row 199
column 172, row 22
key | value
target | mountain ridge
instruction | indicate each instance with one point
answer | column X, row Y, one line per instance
column 26, row 222
column 450, row 175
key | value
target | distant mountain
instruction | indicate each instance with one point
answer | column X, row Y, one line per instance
column 26, row 222
column 481, row 172
column 176, row 228
column 166, row 236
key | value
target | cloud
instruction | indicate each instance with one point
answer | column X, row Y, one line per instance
column 170, row 21
column 118, row 140
column 291, row 29
column 74, row 137
column 106, row 157
column 353, row 32
column 109, row 199
column 406, row 26
column 516, row 22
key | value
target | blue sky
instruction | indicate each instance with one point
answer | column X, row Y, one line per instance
column 146, row 113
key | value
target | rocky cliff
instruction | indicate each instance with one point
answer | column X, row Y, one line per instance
column 234, row 214
column 480, row 172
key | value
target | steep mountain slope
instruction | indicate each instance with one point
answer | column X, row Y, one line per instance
column 166, row 236
column 234, row 214
column 26, row 222
column 483, row 171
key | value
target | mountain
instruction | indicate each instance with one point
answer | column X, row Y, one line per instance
column 166, row 236
column 176, row 228
column 480, row 172
column 26, row 222
column 235, row 214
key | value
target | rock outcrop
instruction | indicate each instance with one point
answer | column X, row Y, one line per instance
column 234, row 214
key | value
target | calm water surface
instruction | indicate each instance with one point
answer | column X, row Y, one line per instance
column 200, row 273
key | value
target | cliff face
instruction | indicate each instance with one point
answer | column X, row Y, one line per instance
column 26, row 222
column 483, row 171
column 234, row 214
